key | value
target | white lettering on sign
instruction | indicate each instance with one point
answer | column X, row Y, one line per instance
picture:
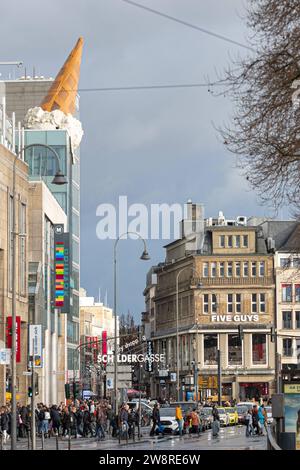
column 234, row 318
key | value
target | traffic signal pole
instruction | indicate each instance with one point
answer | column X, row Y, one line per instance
column 33, row 435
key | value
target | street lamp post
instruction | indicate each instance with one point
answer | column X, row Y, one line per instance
column 59, row 179
column 177, row 333
column 145, row 257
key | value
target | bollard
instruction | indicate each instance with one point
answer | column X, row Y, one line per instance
column 1, row 441
column 57, row 446
column 42, row 441
column 28, row 439
column 69, row 441
column 133, row 433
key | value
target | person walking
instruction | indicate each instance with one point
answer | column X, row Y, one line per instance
column 249, row 424
column 261, row 420
column 4, row 423
column 155, row 418
column 56, row 419
column 100, row 422
column 179, row 419
column 66, row 422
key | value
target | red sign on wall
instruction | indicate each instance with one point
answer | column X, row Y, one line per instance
column 18, row 336
column 104, row 345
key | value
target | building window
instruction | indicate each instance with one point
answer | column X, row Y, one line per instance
column 214, row 303
column 296, row 262
column 245, row 269
column 287, row 320
column 238, row 298
column 254, row 303
column 238, row 269
column 229, row 269
column 297, row 292
column 262, row 268
column 259, row 349
column 210, row 349
column 222, row 241
column 229, row 241
column 287, row 347
column 262, row 303
column 285, row 262
column 235, row 355
column 297, row 319
column 286, row 292
column 222, row 271
column 213, row 269
column 205, row 303
column 245, row 241
column 229, row 303
column 238, row 241
column 205, row 269
column 253, row 268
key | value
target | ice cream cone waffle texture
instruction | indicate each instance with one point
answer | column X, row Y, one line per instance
column 62, row 94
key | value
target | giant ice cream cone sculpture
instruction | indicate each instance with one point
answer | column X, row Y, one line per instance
column 62, row 94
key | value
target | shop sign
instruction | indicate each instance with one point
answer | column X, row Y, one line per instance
column 234, row 318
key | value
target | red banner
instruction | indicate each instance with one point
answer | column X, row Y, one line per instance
column 18, row 336
column 104, row 345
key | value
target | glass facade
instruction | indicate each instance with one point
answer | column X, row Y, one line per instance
column 43, row 166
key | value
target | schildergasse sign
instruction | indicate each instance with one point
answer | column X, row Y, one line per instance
column 131, row 358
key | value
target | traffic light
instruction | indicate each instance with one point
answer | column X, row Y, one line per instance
column 67, row 391
column 75, row 389
column 273, row 336
column 241, row 333
column 30, row 392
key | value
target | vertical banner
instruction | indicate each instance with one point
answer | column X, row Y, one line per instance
column 62, row 269
column 104, row 346
column 18, row 336
column 292, row 410
column 149, row 352
column 35, row 345
column 95, row 348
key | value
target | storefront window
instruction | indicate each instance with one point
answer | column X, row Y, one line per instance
column 234, row 350
column 259, row 349
column 210, row 349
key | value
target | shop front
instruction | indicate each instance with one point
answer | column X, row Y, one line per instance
column 249, row 391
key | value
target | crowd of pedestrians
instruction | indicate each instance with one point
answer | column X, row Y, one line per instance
column 80, row 418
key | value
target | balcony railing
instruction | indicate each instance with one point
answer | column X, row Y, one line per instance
column 232, row 281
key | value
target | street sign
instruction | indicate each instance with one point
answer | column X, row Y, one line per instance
column 109, row 383
column 35, row 345
column 27, row 373
column 5, row 355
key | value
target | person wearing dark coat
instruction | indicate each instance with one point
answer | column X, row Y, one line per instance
column 56, row 419
column 4, row 423
column 87, row 423
column 155, row 418
column 66, row 422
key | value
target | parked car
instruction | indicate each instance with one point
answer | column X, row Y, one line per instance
column 207, row 413
column 242, row 410
column 168, row 420
column 224, row 417
column 233, row 415
column 269, row 414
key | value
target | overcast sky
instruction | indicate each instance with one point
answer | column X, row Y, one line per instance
column 154, row 146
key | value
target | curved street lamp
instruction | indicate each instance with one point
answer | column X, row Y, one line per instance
column 58, row 179
column 144, row 257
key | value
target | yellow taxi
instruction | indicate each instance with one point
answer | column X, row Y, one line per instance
column 232, row 414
